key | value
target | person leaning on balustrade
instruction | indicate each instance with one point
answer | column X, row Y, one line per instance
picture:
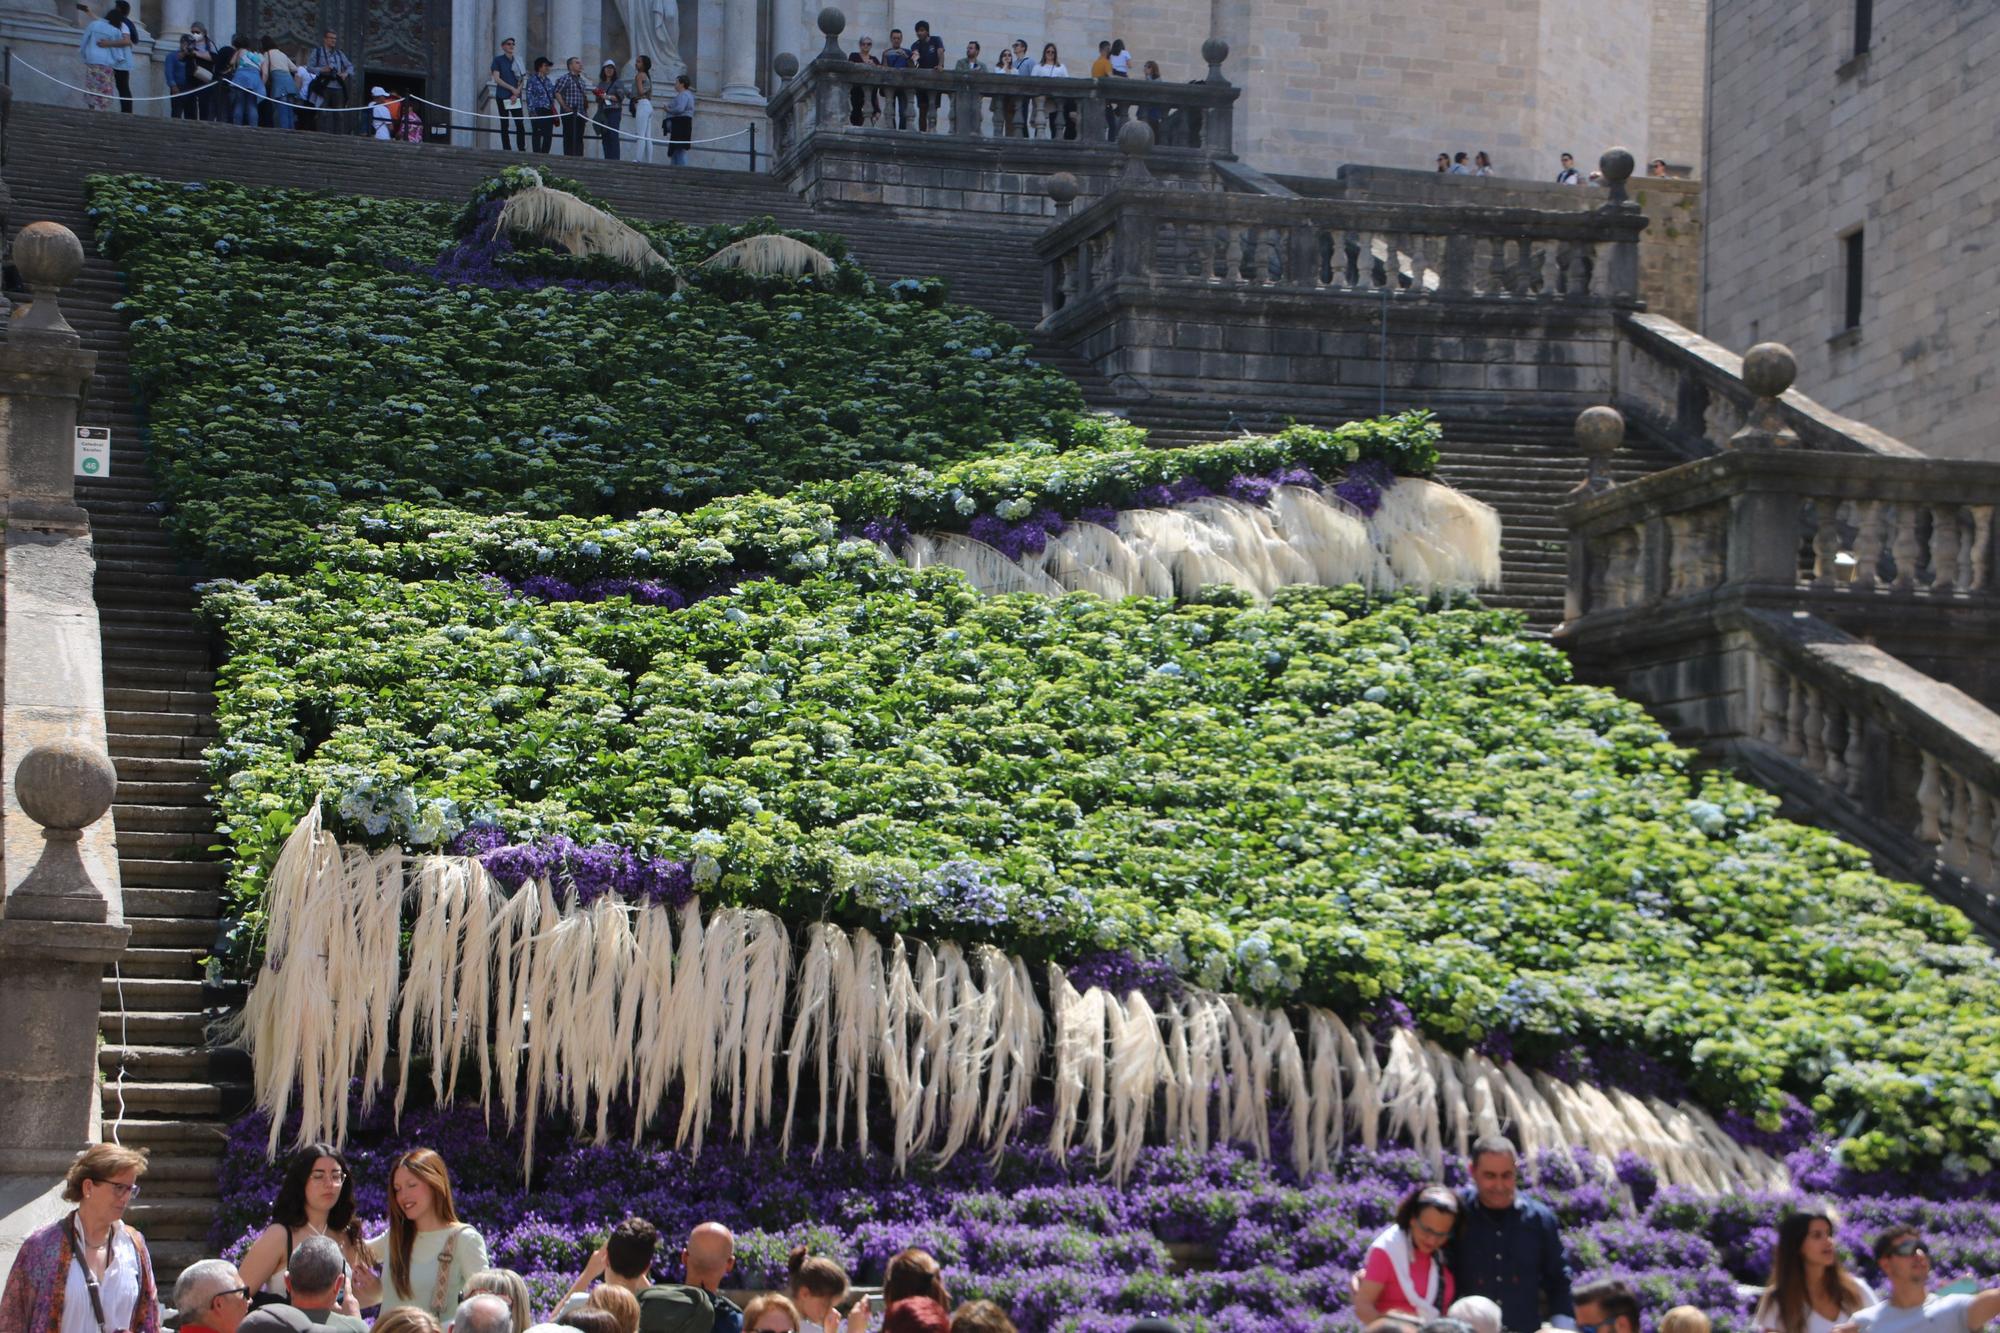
column 86, row 1271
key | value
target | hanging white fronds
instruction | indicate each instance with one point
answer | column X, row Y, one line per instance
column 560, row 218
column 782, row 256
column 1424, row 536
column 616, row 1002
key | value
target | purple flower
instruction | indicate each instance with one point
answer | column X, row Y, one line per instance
column 548, row 588
column 514, row 866
column 1250, row 490
column 478, row 839
column 893, row 533
column 1119, row 973
column 1104, row 516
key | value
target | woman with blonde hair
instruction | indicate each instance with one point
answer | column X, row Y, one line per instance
column 1810, row 1292
column 427, row 1253
column 509, row 1286
column 771, row 1313
column 818, row 1286
column 1684, row 1319
column 617, row 1302
column 87, row 1269
column 406, row 1319
column 981, row 1317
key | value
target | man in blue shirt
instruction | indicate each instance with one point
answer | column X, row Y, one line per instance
column 506, row 78
column 1509, row 1248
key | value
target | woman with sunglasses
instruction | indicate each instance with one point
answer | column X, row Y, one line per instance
column 316, row 1198
column 1810, row 1291
column 87, row 1271
column 1404, row 1275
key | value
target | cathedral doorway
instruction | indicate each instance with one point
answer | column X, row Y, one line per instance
column 401, row 45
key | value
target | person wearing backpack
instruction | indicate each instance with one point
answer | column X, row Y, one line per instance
column 698, row 1305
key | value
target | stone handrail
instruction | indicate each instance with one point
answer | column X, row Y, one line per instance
column 1906, row 765
column 1339, row 247
column 1830, row 531
column 1191, row 120
column 1690, row 392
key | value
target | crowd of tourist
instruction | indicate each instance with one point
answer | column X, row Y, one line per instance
column 1484, row 1258
column 1480, row 164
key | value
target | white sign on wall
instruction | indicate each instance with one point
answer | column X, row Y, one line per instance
column 93, row 451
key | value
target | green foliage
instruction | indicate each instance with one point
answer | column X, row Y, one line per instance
column 297, row 359
column 1323, row 799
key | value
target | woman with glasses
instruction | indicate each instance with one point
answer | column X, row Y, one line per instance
column 316, row 1198
column 1404, row 1275
column 87, row 1271
column 1810, row 1290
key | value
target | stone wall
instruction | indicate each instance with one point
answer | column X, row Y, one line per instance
column 1676, row 72
column 1806, row 143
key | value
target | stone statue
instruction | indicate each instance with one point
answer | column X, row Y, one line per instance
column 655, row 26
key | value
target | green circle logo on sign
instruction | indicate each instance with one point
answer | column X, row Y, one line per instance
column 90, row 466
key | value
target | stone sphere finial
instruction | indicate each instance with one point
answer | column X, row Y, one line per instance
column 1215, row 50
column 832, row 22
column 49, row 257
column 1135, row 138
column 785, row 65
column 1062, row 188
column 65, row 786
column 1599, row 432
column 1769, row 369
column 1615, row 165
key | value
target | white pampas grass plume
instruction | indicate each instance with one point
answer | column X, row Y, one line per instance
column 560, row 218
column 783, row 256
column 1138, row 1065
column 812, row 1026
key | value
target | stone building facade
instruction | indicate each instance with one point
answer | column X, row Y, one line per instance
column 1820, row 154
column 1327, row 82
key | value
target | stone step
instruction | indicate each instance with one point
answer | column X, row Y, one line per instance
column 183, row 1219
column 153, row 1064
column 151, row 994
column 152, row 746
column 161, row 723
column 189, row 792
column 170, row 874
column 172, row 904
column 142, row 845
column 164, row 1099
column 174, row 964
column 154, row 1028
column 136, row 817
column 123, row 698
column 190, row 1135
column 144, row 770
column 169, row 932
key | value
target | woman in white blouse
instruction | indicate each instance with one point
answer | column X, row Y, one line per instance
column 1050, row 66
column 1810, row 1291
column 427, row 1253
column 86, row 1272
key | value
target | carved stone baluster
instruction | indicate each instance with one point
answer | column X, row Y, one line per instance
column 1382, row 265
column 1905, row 549
column 1497, row 279
column 1993, row 842
column 1814, row 725
column 1979, row 835
column 1982, row 547
column 1956, row 822
column 1826, row 542
column 1420, row 261
column 1930, row 802
column 1795, row 722
column 1944, row 548
column 1867, row 542
column 1833, row 742
column 1775, row 703
column 1855, row 757
column 1565, row 255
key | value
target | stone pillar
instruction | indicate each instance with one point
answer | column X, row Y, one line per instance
column 565, row 33
column 1622, row 274
column 739, row 51
column 44, row 372
column 176, row 17
column 55, row 941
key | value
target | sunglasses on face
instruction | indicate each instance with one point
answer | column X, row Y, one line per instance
column 233, row 1291
column 1905, row 1248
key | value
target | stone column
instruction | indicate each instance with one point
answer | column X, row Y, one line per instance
column 176, row 17
column 565, row 33
column 510, row 18
column 55, row 941
column 739, row 51
column 43, row 374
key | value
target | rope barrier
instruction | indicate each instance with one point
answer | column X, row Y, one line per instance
column 525, row 119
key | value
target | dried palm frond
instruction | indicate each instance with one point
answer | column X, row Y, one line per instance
column 772, row 255
column 560, row 218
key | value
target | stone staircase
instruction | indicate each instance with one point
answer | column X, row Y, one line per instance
column 164, row 1089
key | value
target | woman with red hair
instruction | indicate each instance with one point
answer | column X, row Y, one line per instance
column 427, row 1253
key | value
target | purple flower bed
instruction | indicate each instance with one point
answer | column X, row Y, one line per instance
column 585, row 871
column 1066, row 1251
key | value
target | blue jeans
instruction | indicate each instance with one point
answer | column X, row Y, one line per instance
column 284, row 89
column 242, row 104
column 607, row 131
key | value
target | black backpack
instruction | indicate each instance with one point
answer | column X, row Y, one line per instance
column 672, row 1308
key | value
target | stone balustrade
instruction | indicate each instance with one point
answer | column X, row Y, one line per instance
column 1689, row 392
column 847, row 134
column 1823, row 620
column 1341, row 248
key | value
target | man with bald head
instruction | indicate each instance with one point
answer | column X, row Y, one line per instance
column 708, row 1258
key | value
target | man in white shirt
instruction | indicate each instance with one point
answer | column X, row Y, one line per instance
column 1569, row 175
column 1905, row 1260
